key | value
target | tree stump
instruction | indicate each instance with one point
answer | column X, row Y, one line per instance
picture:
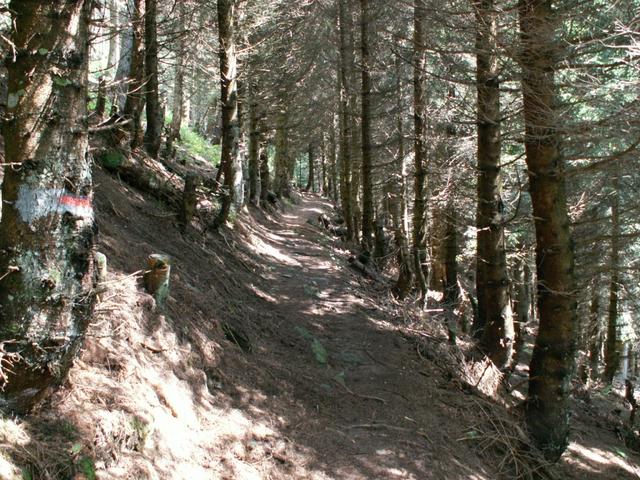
column 156, row 277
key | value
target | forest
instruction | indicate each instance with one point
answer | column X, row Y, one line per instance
column 253, row 239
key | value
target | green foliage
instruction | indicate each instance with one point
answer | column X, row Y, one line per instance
column 112, row 159
column 61, row 81
column 316, row 346
column 85, row 465
column 198, row 146
column 319, row 351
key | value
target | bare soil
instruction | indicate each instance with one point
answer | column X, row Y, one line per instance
column 273, row 359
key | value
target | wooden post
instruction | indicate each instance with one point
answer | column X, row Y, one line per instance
column 101, row 266
column 156, row 277
column 189, row 200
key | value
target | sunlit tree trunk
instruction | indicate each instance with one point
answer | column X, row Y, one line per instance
column 552, row 365
column 229, row 156
column 153, row 133
column 47, row 228
column 494, row 323
column 112, row 58
column 134, row 100
column 420, row 154
column 123, row 71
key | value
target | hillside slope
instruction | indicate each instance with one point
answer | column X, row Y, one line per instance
column 272, row 359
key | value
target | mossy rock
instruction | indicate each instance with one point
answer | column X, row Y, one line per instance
column 112, row 159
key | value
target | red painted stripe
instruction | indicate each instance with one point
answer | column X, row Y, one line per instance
column 72, row 201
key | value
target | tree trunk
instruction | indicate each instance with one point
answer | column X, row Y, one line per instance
column 282, row 180
column 323, row 164
column 397, row 200
column 127, row 16
column 613, row 345
column 177, row 108
column 112, row 58
column 311, row 179
column 254, row 147
column 47, row 229
column 523, row 301
column 552, row 365
column 594, row 334
column 229, row 157
column 333, row 152
column 265, row 181
column 134, row 100
column 346, row 136
column 155, row 120
column 367, row 182
column 494, row 323
column 420, row 154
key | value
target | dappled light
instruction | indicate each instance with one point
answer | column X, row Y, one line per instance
column 318, row 240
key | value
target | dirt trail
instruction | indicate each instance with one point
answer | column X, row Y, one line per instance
column 315, row 379
column 367, row 405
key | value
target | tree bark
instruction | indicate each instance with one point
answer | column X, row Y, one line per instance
column 134, row 99
column 311, row 179
column 254, row 146
column 282, row 180
column 595, row 337
column 523, row 302
column 397, row 200
column 420, row 154
column 155, row 120
column 367, row 183
column 112, row 58
column 265, row 180
column 123, row 72
column 177, row 107
column 613, row 346
column 494, row 323
column 552, row 365
column 346, row 159
column 229, row 156
column 47, row 229
column 333, row 154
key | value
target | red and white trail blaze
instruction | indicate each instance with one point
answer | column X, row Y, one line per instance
column 33, row 204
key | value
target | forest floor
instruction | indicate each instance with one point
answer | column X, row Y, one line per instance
column 272, row 359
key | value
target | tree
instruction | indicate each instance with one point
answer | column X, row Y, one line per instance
column 494, row 324
column 420, row 153
column 346, row 166
column 177, row 108
column 229, row 158
column 367, row 183
column 552, row 364
column 155, row 120
column 47, row 229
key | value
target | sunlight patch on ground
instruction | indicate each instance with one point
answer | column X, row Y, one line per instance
column 595, row 459
column 262, row 294
column 259, row 247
